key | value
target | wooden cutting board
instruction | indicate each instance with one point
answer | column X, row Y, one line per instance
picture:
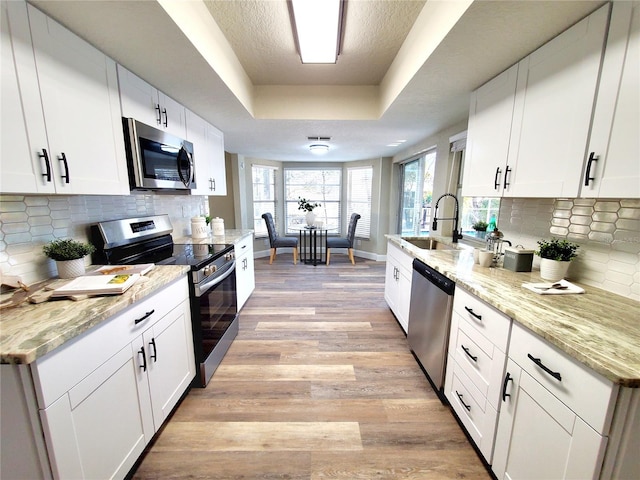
column 21, row 296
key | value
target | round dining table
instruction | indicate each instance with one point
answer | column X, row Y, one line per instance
column 313, row 243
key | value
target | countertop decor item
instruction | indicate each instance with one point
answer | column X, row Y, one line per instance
column 69, row 256
column 555, row 257
column 480, row 226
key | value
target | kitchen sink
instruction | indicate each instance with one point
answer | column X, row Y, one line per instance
column 428, row 244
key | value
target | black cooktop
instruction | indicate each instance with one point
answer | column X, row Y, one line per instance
column 196, row 255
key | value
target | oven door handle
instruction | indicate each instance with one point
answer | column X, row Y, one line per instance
column 202, row 288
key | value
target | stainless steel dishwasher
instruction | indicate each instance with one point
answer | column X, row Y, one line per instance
column 430, row 320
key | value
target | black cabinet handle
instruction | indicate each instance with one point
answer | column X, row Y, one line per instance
column 587, row 175
column 506, row 176
column 154, row 355
column 144, row 359
column 212, row 184
column 466, row 350
column 159, row 118
column 144, row 317
column 47, row 164
column 508, row 378
column 539, row 363
column 468, row 407
column 471, row 312
column 496, row 183
column 166, row 117
column 63, row 159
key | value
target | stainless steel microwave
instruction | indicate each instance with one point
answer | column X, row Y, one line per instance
column 156, row 159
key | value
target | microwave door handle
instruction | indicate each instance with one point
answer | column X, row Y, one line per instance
column 183, row 155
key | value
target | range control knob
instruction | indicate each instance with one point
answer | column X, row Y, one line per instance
column 209, row 269
column 229, row 256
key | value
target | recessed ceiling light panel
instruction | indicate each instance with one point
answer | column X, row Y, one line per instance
column 317, row 25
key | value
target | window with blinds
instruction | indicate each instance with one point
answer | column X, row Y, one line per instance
column 264, row 197
column 317, row 185
column 359, row 186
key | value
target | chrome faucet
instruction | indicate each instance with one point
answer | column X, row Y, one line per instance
column 456, row 235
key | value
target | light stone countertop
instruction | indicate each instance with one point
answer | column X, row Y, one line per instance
column 29, row 331
column 599, row 329
column 230, row 236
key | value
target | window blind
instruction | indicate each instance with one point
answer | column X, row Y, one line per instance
column 359, row 186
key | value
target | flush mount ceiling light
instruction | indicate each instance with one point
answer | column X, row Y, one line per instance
column 319, row 148
column 317, row 28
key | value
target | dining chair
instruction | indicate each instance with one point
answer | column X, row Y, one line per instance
column 276, row 241
column 344, row 242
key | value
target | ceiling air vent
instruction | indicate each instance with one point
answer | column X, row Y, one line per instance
column 319, row 139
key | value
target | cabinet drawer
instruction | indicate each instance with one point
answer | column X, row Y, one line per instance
column 58, row 371
column 484, row 318
column 584, row 391
column 400, row 259
column 478, row 417
column 243, row 246
column 480, row 359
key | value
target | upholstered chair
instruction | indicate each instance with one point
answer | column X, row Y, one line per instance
column 344, row 242
column 276, row 241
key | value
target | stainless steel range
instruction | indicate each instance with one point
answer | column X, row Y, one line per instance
column 212, row 285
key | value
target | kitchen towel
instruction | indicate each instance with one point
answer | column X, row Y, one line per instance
column 559, row 288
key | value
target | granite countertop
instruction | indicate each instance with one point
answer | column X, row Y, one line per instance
column 29, row 331
column 230, row 236
column 599, row 329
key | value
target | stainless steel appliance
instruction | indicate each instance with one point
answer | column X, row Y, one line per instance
column 212, row 285
column 157, row 160
column 430, row 320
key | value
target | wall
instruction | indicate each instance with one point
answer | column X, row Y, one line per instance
column 30, row 221
column 608, row 232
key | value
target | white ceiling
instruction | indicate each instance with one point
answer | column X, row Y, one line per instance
column 403, row 74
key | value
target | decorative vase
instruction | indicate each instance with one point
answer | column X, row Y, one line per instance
column 70, row 268
column 553, row 270
column 310, row 217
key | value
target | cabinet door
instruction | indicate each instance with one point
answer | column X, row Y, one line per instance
column 169, row 360
column 97, row 429
column 79, row 92
column 172, row 116
column 489, row 132
column 552, row 114
column 139, row 99
column 245, row 278
column 540, row 438
column 208, row 153
column 23, row 170
column 616, row 121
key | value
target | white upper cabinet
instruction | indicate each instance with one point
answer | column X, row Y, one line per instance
column 208, row 156
column 613, row 166
column 551, row 112
column 148, row 105
column 68, row 132
column 488, row 136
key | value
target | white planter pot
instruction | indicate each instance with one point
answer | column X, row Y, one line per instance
column 310, row 217
column 70, row 268
column 553, row 270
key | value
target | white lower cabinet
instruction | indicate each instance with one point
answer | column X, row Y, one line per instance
column 245, row 271
column 477, row 346
column 397, row 284
column 555, row 415
column 102, row 397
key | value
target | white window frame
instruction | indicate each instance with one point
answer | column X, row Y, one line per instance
column 359, row 192
column 263, row 205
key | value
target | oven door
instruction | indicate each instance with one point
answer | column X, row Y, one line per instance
column 214, row 312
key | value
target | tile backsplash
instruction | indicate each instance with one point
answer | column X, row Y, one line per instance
column 27, row 222
column 607, row 231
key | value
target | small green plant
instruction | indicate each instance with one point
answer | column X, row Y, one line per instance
column 480, row 226
column 305, row 205
column 556, row 249
column 67, row 249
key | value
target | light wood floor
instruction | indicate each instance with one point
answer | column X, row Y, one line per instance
column 319, row 384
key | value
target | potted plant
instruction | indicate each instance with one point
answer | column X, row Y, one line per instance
column 555, row 257
column 69, row 256
column 306, row 206
column 480, row 226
